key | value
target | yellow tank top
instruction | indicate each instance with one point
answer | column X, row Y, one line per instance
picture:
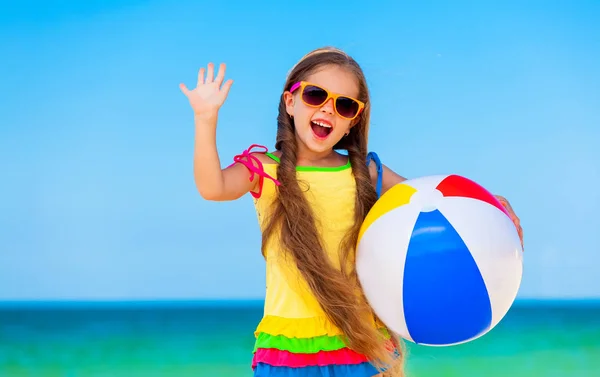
column 290, row 307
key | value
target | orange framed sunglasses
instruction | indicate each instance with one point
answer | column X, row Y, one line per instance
column 315, row 96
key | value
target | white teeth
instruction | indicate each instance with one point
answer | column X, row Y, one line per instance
column 322, row 124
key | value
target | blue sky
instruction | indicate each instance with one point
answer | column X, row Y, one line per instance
column 98, row 200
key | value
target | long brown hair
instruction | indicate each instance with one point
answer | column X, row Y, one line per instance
column 291, row 215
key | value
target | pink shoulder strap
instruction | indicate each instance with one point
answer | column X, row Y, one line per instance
column 255, row 167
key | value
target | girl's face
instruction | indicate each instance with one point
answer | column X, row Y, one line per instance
column 319, row 128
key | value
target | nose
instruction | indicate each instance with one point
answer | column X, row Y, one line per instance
column 328, row 107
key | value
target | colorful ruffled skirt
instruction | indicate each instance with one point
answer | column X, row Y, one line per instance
column 303, row 347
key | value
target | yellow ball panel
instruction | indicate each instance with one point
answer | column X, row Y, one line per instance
column 395, row 197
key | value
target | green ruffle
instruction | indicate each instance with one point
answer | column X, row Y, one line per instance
column 302, row 345
column 299, row 345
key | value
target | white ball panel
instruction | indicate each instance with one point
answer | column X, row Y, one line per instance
column 380, row 262
column 495, row 246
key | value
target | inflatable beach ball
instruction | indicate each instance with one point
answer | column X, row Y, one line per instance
column 439, row 259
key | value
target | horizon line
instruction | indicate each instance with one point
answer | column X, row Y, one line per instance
column 229, row 303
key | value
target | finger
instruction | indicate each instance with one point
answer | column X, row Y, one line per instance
column 521, row 237
column 517, row 222
column 184, row 89
column 521, row 234
column 505, row 203
column 200, row 77
column 220, row 75
column 210, row 73
column 510, row 211
column 226, row 87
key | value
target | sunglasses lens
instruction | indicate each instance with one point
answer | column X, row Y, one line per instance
column 346, row 107
column 314, row 95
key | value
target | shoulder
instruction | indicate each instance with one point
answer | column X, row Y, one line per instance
column 253, row 160
column 266, row 157
column 259, row 153
column 270, row 157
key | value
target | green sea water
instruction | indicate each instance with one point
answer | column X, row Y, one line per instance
column 216, row 339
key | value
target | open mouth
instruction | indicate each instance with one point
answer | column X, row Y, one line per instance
column 321, row 129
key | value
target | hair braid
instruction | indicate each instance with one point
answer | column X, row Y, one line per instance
column 337, row 291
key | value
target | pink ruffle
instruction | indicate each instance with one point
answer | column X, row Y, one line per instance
column 277, row 357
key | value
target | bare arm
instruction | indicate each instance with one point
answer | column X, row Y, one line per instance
column 212, row 182
column 390, row 178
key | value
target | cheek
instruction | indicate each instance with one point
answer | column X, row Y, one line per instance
column 344, row 125
column 301, row 111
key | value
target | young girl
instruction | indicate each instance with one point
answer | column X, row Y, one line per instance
column 311, row 202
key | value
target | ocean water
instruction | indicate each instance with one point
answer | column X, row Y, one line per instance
column 216, row 339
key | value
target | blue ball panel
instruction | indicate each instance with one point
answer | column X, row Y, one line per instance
column 445, row 298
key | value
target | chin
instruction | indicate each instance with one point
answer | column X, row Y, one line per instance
column 318, row 144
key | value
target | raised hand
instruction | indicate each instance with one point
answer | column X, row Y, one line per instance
column 208, row 95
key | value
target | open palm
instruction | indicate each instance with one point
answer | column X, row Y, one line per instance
column 208, row 95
